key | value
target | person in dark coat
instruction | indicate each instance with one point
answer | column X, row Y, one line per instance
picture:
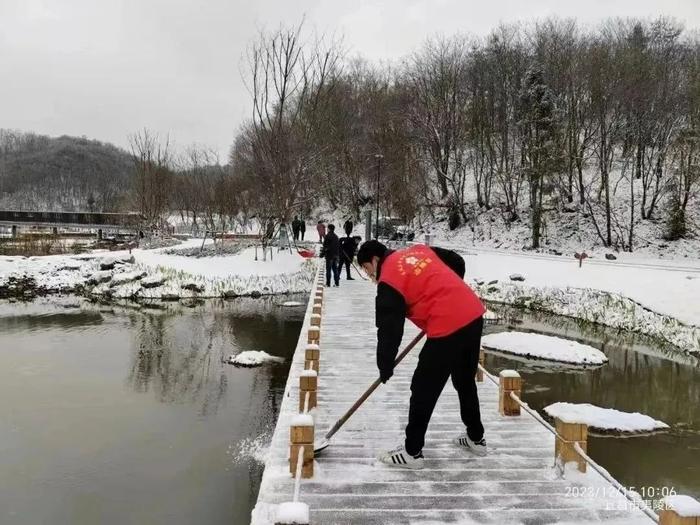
column 426, row 285
column 348, row 227
column 331, row 251
column 295, row 227
column 302, row 228
column 348, row 246
column 321, row 229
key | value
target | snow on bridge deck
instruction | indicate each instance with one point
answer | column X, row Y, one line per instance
column 516, row 483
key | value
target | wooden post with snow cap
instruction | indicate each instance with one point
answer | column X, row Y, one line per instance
column 317, row 307
column 567, row 435
column 308, row 385
column 315, row 319
column 314, row 335
column 509, row 381
column 479, row 371
column 312, row 355
column 301, row 441
column 680, row 510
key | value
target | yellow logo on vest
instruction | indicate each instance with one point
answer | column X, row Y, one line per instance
column 416, row 264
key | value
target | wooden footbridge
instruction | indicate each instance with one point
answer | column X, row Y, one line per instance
column 522, row 480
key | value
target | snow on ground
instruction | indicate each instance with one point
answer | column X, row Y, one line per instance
column 668, row 288
column 547, row 347
column 606, row 419
column 253, row 358
column 153, row 274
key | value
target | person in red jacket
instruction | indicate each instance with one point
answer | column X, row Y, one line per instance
column 426, row 285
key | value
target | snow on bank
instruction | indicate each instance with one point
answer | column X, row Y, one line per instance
column 540, row 346
column 606, row 308
column 606, row 419
column 661, row 286
column 152, row 274
column 253, row 358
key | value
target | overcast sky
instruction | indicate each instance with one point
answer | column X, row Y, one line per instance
column 105, row 68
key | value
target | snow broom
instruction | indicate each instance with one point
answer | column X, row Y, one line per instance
column 324, row 443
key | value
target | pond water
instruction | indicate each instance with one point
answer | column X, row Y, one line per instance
column 641, row 376
column 131, row 416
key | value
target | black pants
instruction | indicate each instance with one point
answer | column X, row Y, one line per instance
column 455, row 355
column 344, row 261
column 332, row 264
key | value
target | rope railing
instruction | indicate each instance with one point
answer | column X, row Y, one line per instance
column 297, row 478
column 631, row 497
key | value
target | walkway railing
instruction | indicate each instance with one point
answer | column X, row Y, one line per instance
column 668, row 516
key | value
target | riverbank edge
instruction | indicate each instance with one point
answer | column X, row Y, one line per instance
column 597, row 307
column 181, row 286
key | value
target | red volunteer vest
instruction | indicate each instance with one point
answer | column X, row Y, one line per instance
column 438, row 301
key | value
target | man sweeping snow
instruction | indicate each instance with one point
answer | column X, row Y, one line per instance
column 425, row 285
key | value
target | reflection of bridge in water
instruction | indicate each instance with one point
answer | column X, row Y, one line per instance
column 74, row 220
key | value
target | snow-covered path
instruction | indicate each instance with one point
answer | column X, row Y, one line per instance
column 667, row 287
column 515, row 483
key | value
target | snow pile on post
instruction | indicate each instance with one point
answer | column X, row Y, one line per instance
column 302, row 420
column 605, row 419
column 253, row 358
column 684, row 506
column 293, row 513
column 546, row 347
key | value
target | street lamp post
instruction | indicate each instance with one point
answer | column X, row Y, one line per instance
column 376, row 218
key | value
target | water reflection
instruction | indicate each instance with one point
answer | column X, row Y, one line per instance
column 641, row 376
column 129, row 411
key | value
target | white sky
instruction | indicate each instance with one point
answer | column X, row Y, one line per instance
column 106, row 68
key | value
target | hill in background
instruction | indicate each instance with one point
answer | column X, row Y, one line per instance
column 65, row 173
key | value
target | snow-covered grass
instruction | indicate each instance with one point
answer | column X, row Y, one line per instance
column 605, row 419
column 606, row 308
column 668, row 288
column 153, row 274
column 545, row 347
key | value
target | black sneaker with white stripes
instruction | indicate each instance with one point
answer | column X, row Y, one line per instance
column 477, row 448
column 402, row 459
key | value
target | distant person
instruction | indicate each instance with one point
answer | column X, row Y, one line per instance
column 296, row 227
column 348, row 227
column 321, row 229
column 331, row 251
column 348, row 246
column 302, row 228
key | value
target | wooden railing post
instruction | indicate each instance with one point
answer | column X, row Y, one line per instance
column 314, row 335
column 312, row 356
column 567, row 435
column 509, row 381
column 308, row 384
column 680, row 510
column 301, row 436
column 479, row 372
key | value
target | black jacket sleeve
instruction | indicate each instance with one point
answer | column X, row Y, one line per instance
column 451, row 259
column 391, row 315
